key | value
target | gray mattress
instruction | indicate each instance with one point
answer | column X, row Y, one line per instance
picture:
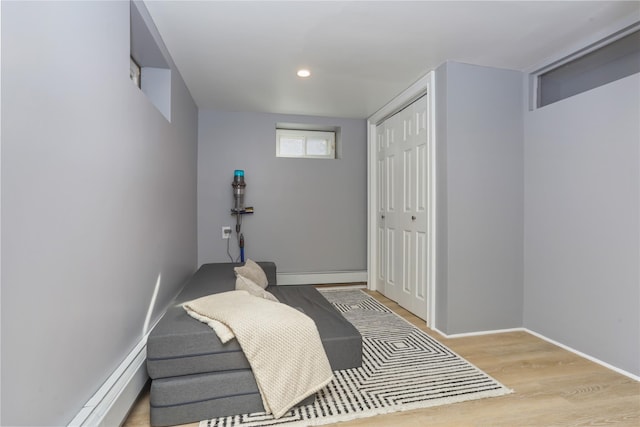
column 197, row 377
column 179, row 345
column 193, row 398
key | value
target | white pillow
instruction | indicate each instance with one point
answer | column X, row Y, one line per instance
column 253, row 272
column 244, row 284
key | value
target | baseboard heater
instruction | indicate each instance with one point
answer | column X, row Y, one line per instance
column 110, row 405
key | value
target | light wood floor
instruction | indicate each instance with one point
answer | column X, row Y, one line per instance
column 552, row 387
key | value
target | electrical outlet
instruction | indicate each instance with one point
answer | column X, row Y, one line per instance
column 226, row 232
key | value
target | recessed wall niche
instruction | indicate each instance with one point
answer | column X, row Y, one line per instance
column 154, row 78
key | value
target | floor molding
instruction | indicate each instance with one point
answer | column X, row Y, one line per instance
column 478, row 333
column 549, row 340
column 321, row 278
column 343, row 287
column 586, row 356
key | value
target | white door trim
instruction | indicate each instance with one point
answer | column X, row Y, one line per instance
column 424, row 85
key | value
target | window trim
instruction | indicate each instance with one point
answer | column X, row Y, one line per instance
column 329, row 135
column 534, row 76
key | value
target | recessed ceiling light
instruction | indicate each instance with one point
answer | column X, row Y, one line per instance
column 304, row 73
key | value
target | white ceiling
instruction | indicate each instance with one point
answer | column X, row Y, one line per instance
column 243, row 55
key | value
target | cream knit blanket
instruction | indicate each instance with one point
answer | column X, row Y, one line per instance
column 281, row 344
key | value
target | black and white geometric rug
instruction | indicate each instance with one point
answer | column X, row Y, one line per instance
column 403, row 368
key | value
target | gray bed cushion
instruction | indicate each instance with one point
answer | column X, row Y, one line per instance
column 213, row 278
column 193, row 398
column 198, row 411
column 195, row 388
column 195, row 377
column 180, row 345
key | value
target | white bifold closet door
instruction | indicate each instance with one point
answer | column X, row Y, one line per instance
column 402, row 212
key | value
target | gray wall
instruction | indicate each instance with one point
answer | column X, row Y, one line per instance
column 310, row 214
column 479, row 197
column 582, row 222
column 98, row 202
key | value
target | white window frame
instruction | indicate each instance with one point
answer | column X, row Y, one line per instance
column 597, row 43
column 303, row 136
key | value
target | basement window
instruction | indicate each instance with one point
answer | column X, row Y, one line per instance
column 149, row 69
column 595, row 66
column 302, row 143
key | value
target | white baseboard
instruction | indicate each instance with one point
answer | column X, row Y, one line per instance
column 343, row 287
column 110, row 405
column 549, row 340
column 478, row 333
column 586, row 356
column 321, row 278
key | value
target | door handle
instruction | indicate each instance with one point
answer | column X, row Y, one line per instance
column 381, row 216
column 413, row 217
